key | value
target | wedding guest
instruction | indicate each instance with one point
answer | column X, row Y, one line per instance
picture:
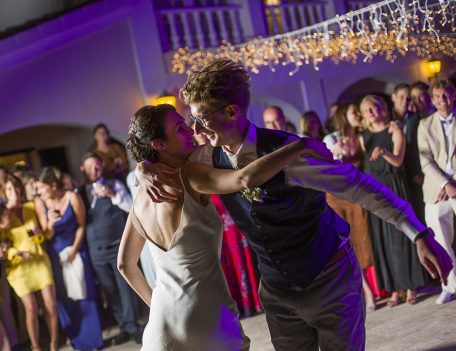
column 436, row 143
column 311, row 125
column 65, row 210
column 69, row 183
column 19, row 169
column 401, row 101
column 111, row 153
column 8, row 333
column 29, row 180
column 29, row 269
column 409, row 120
column 419, row 93
column 329, row 123
column 396, row 260
column 274, row 118
column 344, row 144
column 107, row 202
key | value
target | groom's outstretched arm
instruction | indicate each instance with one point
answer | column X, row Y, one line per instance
column 347, row 182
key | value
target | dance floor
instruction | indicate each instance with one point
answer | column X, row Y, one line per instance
column 421, row 327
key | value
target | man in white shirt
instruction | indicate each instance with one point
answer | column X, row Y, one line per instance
column 107, row 203
column 436, row 143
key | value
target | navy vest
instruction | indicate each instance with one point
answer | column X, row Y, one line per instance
column 293, row 231
column 105, row 223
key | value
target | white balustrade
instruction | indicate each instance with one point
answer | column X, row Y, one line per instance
column 200, row 26
column 292, row 16
column 207, row 23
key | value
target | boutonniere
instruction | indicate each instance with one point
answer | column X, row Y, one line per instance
column 255, row 194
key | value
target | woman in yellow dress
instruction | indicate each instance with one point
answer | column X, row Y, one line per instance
column 29, row 269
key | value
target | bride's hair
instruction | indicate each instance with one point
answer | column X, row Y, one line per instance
column 146, row 125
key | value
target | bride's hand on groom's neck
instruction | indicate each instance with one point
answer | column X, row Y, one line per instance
column 153, row 177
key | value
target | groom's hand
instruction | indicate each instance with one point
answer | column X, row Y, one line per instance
column 434, row 258
column 316, row 149
column 153, row 177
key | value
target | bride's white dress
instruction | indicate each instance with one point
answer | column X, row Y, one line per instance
column 191, row 308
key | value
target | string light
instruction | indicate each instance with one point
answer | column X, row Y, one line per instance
column 387, row 28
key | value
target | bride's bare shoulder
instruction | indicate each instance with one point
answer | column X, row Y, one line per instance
column 142, row 202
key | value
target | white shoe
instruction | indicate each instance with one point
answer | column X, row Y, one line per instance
column 443, row 298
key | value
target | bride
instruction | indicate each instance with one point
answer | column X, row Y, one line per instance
column 190, row 307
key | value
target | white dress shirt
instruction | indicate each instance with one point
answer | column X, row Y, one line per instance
column 121, row 199
column 447, row 125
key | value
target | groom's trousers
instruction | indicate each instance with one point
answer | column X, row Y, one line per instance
column 329, row 313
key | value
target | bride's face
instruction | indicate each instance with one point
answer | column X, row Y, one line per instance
column 178, row 135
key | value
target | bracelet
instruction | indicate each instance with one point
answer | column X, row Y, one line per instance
column 427, row 232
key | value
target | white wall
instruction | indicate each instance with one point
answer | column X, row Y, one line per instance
column 89, row 80
column 75, row 139
column 17, row 12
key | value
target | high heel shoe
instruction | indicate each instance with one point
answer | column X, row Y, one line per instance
column 411, row 297
column 394, row 300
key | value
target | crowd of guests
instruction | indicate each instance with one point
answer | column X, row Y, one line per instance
column 407, row 141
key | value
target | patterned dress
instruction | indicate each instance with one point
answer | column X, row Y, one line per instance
column 238, row 264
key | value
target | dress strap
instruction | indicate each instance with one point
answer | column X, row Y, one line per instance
column 137, row 224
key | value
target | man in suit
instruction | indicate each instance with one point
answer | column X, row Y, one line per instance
column 311, row 286
column 107, row 203
column 436, row 143
column 421, row 100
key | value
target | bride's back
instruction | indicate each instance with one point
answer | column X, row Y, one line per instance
column 162, row 220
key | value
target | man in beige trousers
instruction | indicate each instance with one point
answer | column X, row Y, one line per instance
column 436, row 143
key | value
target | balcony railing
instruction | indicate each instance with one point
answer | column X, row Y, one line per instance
column 198, row 26
column 287, row 17
column 193, row 24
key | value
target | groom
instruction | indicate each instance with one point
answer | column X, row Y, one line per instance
column 311, row 286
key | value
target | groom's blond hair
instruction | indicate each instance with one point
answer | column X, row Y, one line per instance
column 221, row 82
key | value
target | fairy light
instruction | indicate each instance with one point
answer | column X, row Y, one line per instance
column 388, row 28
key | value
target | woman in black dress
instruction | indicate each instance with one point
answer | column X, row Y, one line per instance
column 395, row 257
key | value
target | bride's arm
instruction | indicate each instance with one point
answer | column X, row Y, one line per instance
column 130, row 249
column 207, row 180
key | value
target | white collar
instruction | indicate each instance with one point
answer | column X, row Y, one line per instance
column 249, row 144
column 448, row 120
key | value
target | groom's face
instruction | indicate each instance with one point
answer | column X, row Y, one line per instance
column 214, row 122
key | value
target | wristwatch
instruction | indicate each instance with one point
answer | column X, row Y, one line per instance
column 427, row 232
